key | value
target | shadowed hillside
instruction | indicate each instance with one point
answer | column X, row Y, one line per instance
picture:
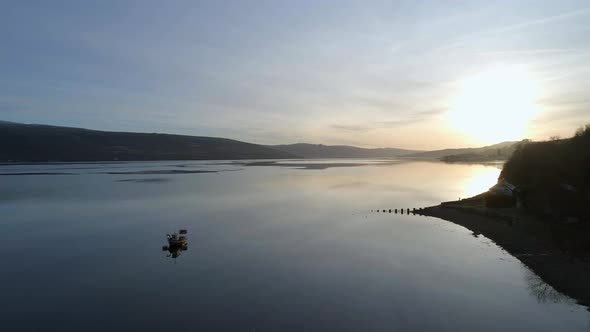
column 555, row 175
column 38, row 143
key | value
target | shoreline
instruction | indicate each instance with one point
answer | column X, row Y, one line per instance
column 532, row 242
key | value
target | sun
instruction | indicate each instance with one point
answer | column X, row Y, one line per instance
column 495, row 105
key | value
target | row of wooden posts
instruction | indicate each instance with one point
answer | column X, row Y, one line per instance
column 408, row 211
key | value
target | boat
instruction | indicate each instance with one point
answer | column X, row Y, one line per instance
column 177, row 243
column 177, row 238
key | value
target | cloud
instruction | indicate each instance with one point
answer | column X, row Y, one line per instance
column 545, row 20
column 355, row 128
column 411, row 119
column 534, row 51
column 469, row 37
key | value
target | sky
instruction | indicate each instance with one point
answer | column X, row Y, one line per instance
column 407, row 74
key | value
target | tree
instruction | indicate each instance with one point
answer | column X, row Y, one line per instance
column 583, row 131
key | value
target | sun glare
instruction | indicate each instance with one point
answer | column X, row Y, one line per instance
column 495, row 105
column 480, row 181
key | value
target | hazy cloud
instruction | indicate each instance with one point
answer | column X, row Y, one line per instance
column 409, row 120
column 354, row 128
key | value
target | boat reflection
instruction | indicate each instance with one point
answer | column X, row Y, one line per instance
column 177, row 243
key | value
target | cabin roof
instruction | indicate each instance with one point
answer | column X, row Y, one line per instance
column 503, row 187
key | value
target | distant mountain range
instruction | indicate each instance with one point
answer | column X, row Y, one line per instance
column 339, row 151
column 500, row 151
column 42, row 143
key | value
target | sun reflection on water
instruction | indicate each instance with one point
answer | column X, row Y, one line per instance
column 480, row 181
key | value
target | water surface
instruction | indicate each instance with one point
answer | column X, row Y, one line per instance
column 271, row 248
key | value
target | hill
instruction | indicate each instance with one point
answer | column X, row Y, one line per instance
column 554, row 175
column 500, row 151
column 41, row 143
column 339, row 151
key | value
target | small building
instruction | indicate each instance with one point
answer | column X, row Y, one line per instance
column 502, row 195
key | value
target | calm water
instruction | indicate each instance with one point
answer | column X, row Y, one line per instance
column 270, row 249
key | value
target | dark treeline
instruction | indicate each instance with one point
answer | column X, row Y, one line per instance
column 555, row 176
